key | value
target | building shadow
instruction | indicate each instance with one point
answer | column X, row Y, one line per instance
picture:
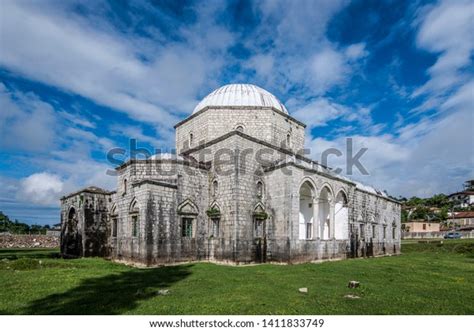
column 111, row 294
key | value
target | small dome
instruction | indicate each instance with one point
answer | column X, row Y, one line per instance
column 240, row 95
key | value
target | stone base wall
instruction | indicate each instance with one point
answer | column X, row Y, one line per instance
column 28, row 241
column 435, row 235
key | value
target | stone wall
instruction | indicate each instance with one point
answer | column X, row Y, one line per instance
column 157, row 190
column 28, row 241
column 265, row 124
column 84, row 223
column 435, row 235
column 143, row 222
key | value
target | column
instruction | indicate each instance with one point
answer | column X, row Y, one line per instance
column 332, row 222
column 316, row 225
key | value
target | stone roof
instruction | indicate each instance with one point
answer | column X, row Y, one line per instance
column 89, row 189
column 462, row 214
column 245, row 95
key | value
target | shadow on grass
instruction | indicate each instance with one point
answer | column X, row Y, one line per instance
column 34, row 253
column 111, row 294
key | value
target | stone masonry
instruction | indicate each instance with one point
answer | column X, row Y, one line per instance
column 239, row 190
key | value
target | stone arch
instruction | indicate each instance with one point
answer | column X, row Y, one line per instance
column 260, row 188
column 72, row 219
column 307, row 193
column 240, row 127
column 214, row 215
column 325, row 202
column 113, row 213
column 188, row 207
column 134, row 211
column 341, row 216
column 215, row 205
column 288, row 139
column 214, row 187
column 329, row 188
column 134, row 207
column 259, row 217
column 188, row 211
column 310, row 180
column 113, row 209
column 72, row 240
column 124, row 186
column 259, row 208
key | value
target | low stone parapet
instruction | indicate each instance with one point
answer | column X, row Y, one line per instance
column 28, row 241
column 435, row 235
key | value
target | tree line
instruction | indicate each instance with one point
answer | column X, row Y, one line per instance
column 435, row 208
column 17, row 227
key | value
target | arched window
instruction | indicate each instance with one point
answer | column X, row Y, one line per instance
column 188, row 212
column 306, row 198
column 288, row 140
column 125, row 186
column 135, row 213
column 114, row 219
column 259, row 220
column 71, row 220
column 259, row 189
column 72, row 243
column 214, row 213
column 191, row 139
column 239, row 128
column 324, row 212
column 341, row 222
column 215, row 187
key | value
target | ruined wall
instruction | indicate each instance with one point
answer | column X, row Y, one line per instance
column 84, row 223
column 8, row 240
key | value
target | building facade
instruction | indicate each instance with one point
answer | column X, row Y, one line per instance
column 462, row 199
column 421, row 226
column 239, row 190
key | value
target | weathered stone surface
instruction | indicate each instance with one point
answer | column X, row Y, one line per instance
column 28, row 241
column 159, row 213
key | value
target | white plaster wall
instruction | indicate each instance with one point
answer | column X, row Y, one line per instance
column 341, row 221
column 305, row 215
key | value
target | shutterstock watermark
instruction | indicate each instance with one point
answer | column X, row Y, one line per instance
column 227, row 161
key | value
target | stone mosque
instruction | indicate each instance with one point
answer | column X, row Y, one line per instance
column 238, row 190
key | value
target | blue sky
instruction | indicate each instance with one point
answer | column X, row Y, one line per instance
column 79, row 78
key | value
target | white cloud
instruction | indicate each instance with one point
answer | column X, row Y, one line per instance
column 91, row 60
column 356, row 51
column 432, row 156
column 327, row 69
column 321, row 111
column 26, row 122
column 297, row 51
column 263, row 64
column 41, row 188
column 446, row 29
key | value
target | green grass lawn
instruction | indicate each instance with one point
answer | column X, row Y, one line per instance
column 426, row 279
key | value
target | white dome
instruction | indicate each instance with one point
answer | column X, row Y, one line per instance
column 240, row 95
